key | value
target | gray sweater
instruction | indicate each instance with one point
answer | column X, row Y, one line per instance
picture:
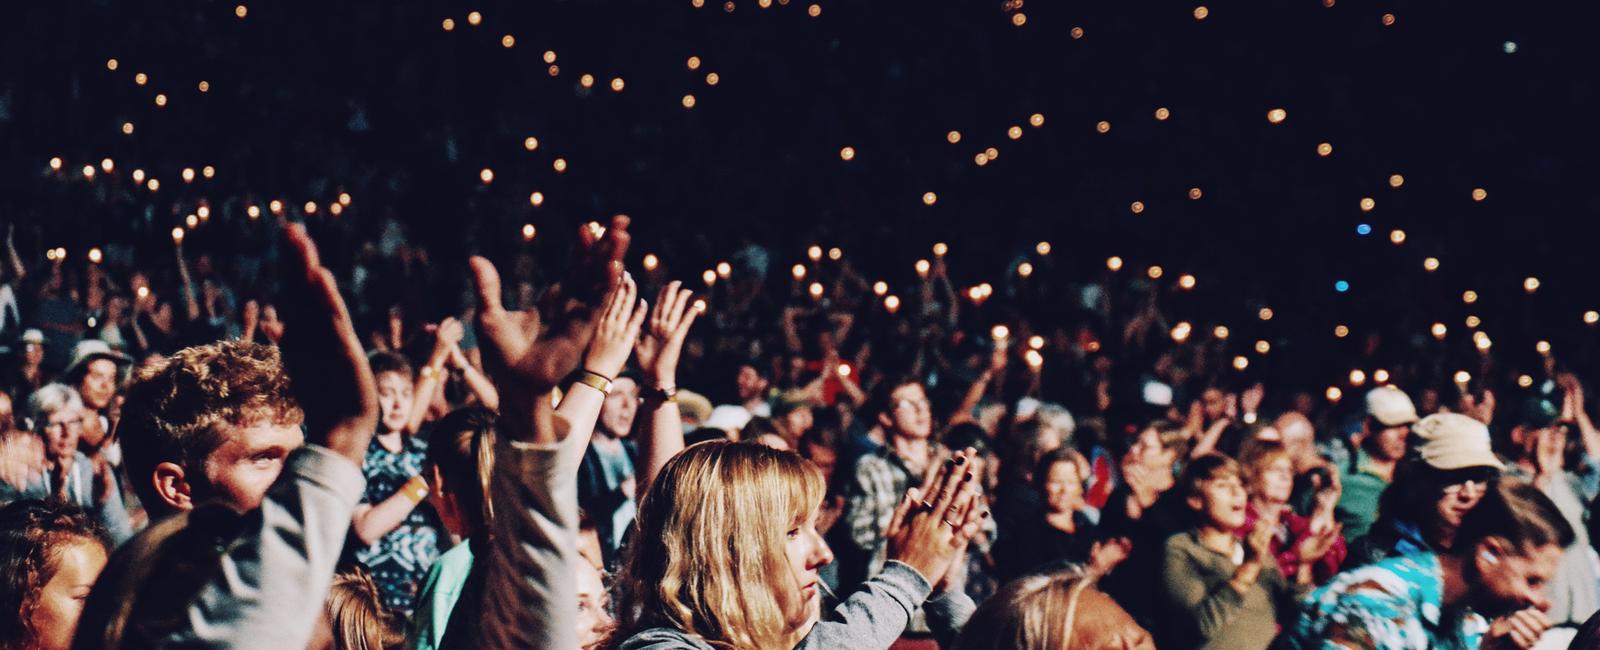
column 871, row 618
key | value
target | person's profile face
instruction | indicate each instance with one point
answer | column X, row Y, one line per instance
column 807, row 553
column 55, row 612
column 1509, row 581
column 250, row 458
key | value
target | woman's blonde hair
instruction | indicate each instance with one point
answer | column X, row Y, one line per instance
column 1036, row 612
column 1256, row 460
column 356, row 616
column 708, row 555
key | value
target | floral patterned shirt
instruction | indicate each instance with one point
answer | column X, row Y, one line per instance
column 1393, row 604
column 400, row 560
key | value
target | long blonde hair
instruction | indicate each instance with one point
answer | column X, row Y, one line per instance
column 1036, row 612
column 708, row 552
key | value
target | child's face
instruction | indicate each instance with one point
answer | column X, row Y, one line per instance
column 395, row 399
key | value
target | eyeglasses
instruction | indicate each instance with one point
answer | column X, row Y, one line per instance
column 75, row 425
column 1479, row 486
column 913, row 405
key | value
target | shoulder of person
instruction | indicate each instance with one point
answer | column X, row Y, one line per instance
column 663, row 638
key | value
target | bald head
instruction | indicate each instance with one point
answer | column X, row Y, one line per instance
column 1299, row 439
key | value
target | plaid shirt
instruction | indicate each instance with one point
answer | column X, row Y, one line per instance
column 881, row 481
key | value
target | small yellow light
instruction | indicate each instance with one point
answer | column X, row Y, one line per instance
column 1181, row 331
column 724, row 270
column 204, row 212
column 891, row 303
column 127, row 128
column 847, row 153
column 1154, row 272
column 922, row 267
column 1042, row 248
column 508, row 41
column 1357, row 377
column 1591, row 317
column 161, row 99
column 204, row 86
column 254, row 212
column 344, row 199
column 1396, row 180
column 1462, row 376
column 694, row 63
column 1000, row 332
column 474, row 19
column 1265, row 313
column 554, row 70
column 1388, row 20
column 536, row 198
column 310, row 207
column 1263, row 347
column 1240, row 363
column 106, row 165
column 586, row 80
column 1530, row 284
column 709, row 277
column 1334, row 393
column 880, row 288
column 929, row 198
column 651, row 262
column 208, row 171
column 1397, row 236
column 1015, row 132
column 276, row 206
column 559, row 164
column 940, row 248
column 1025, row 269
column 1341, row 331
column 1034, row 359
column 1077, row 33
column 712, row 78
column 814, row 10
column 1524, row 381
column 486, row 175
column 111, row 64
column 617, row 84
column 992, row 153
column 1137, row 207
column 449, row 24
column 1103, row 126
column 1195, row 193
column 1019, row 19
column 815, row 290
column 1542, row 347
column 55, row 163
column 188, row 174
column 1380, row 376
column 1324, row 149
column 953, row 137
column 1439, row 330
column 1430, row 264
column 1162, row 114
column 697, row 3
column 1186, row 281
column 1221, row 332
column 1469, row 296
column 1474, row 321
column 1036, row 120
column 153, row 185
column 1479, row 194
column 1277, row 115
column 177, row 235
column 94, row 256
column 688, row 101
column 241, row 11
column 1114, row 263
column 1367, row 204
column 528, row 231
column 141, row 78
column 844, row 370
column 1201, row 12
column 814, row 252
column 138, row 175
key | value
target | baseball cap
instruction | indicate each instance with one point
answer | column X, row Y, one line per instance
column 33, row 335
column 1391, row 406
column 1452, row 441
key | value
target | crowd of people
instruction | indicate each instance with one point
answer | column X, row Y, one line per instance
column 219, row 454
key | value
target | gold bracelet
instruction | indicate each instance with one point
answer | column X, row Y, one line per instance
column 596, row 381
column 415, row 489
column 429, row 372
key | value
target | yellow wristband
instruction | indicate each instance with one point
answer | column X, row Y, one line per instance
column 415, row 489
column 596, row 381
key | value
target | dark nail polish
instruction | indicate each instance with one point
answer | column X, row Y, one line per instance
column 967, row 476
column 986, row 514
column 961, row 460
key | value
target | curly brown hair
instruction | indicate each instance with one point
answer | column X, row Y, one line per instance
column 178, row 408
column 32, row 536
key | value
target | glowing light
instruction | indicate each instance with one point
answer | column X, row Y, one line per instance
column 1357, row 377
column 922, row 267
column 847, row 153
column 1479, row 194
column 1265, row 313
column 106, row 165
column 953, row 137
column 709, row 277
column 1396, row 180
column 1025, row 269
column 1162, row 114
column 1397, row 237
column 929, row 198
column 651, row 262
column 1364, row 229
column 1036, row 342
column 1591, row 317
column 310, row 207
column 1542, row 347
column 111, row 64
column 1509, row 47
column 55, row 163
column 1077, row 33
column 1034, row 359
column 475, row 19
column 254, row 212
column 1186, row 281
column 508, row 41
column 1324, row 149
column 177, row 235
column 276, row 206
column 1015, row 132
column 204, row 212
column 1220, row 332
column 1367, row 204
column 724, row 270
column 891, row 303
column 1181, row 331
column 449, row 24
column 694, row 63
column 486, row 175
column 880, row 288
column 88, row 172
column 127, row 128
column 161, row 99
column 1263, row 347
column 1000, row 332
column 1042, row 248
column 1341, row 286
column 1195, row 193
column 536, row 198
column 95, row 256
column 1019, row 19
column 617, row 84
column 1240, row 363
column 1469, row 296
column 1201, row 12
column 1137, row 207
column 1036, row 120
column 188, row 174
column 1380, row 376
column 141, row 78
column 344, row 199
column 713, row 78
column 1524, row 381
column 1277, row 115
column 992, row 153
column 559, row 164
column 153, row 185
column 1462, row 376
column 814, row 10
column 1154, row 272
column 1103, row 126
column 939, row 249
column 335, row 209
column 138, row 175
column 688, row 101
column 241, row 11
column 1114, row 263
column 1530, row 284
column 815, row 290
column 1388, row 20
column 1430, row 264
column 208, row 171
column 586, row 80
column 1474, row 321
column 1341, row 331
column 528, row 231
column 1439, row 330
column 1334, row 393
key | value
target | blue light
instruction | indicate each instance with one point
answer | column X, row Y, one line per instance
column 1341, row 286
column 1364, row 229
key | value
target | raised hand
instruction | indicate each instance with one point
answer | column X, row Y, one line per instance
column 526, row 366
column 661, row 343
column 328, row 370
column 928, row 536
column 1106, row 555
column 22, row 459
column 616, row 331
column 1520, row 629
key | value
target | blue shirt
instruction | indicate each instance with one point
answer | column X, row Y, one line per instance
column 1393, row 604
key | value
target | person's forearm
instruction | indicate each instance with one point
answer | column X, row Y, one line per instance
column 663, row 440
column 974, row 395
column 372, row 522
column 428, row 381
column 480, row 385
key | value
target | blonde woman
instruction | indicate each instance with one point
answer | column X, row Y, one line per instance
column 1053, row 611
column 733, row 552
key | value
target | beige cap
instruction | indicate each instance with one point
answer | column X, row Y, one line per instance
column 1455, row 441
column 1391, row 406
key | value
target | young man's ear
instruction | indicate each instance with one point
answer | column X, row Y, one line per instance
column 172, row 487
column 1196, row 503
